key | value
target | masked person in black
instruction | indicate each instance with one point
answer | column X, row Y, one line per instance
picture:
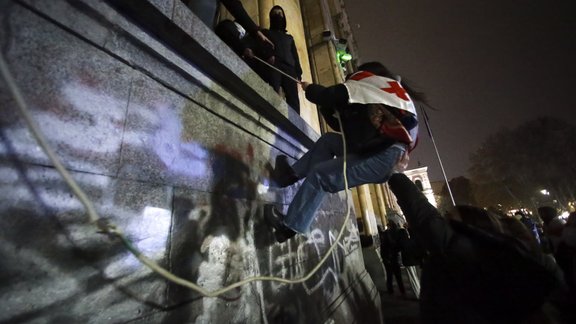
column 273, row 45
column 285, row 58
column 390, row 245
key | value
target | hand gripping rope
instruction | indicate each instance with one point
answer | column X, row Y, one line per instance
column 106, row 227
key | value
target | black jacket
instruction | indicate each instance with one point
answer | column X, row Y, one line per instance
column 284, row 50
column 286, row 55
column 361, row 136
column 391, row 244
column 473, row 276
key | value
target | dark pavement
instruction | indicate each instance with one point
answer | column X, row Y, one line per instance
column 398, row 309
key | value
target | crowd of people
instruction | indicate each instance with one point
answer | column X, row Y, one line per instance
column 476, row 265
column 487, row 267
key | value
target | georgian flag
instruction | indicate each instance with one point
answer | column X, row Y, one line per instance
column 368, row 88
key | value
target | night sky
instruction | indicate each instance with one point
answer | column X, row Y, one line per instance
column 484, row 65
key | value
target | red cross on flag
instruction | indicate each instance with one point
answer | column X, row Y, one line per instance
column 368, row 88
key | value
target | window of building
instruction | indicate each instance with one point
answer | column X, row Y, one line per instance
column 418, row 184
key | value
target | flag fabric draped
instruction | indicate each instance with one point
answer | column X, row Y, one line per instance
column 368, row 88
column 378, row 94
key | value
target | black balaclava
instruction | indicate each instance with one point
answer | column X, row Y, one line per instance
column 277, row 22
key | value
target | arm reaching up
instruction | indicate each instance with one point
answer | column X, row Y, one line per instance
column 423, row 218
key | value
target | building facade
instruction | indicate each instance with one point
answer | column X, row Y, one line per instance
column 420, row 178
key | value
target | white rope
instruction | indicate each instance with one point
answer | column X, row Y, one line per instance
column 278, row 70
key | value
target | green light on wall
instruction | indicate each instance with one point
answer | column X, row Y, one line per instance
column 343, row 56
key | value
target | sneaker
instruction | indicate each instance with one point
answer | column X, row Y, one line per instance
column 283, row 174
column 274, row 218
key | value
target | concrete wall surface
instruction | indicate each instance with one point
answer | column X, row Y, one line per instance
column 169, row 134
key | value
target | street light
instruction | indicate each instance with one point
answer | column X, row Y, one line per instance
column 343, row 56
column 341, row 46
column 545, row 192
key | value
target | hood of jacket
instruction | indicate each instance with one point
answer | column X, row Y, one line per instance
column 277, row 22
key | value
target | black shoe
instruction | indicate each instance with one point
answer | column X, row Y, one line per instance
column 274, row 218
column 283, row 174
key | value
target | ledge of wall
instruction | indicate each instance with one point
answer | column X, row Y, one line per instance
column 173, row 23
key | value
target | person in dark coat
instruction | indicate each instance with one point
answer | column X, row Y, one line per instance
column 566, row 252
column 529, row 223
column 552, row 226
column 278, row 49
column 207, row 11
column 285, row 58
column 390, row 244
column 480, row 268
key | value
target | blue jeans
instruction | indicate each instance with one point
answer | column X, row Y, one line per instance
column 324, row 173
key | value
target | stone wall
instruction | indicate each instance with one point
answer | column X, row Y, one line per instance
column 169, row 133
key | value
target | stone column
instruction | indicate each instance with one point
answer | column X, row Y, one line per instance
column 367, row 210
column 263, row 9
column 381, row 201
